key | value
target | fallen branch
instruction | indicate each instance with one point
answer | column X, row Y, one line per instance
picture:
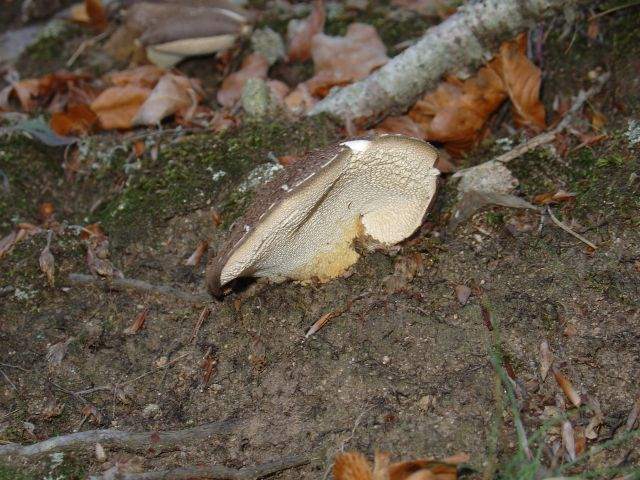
column 216, row 471
column 138, row 285
column 568, row 230
column 465, row 39
column 156, row 442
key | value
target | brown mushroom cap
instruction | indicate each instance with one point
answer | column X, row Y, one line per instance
column 302, row 224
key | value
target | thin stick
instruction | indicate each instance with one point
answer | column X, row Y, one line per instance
column 206, row 311
column 138, row 285
column 614, row 9
column 219, row 472
column 86, row 44
column 564, row 227
column 8, row 379
column 130, row 441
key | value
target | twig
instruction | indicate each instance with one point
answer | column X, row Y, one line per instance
column 217, row 471
column 8, row 379
column 614, row 9
column 564, row 227
column 318, row 324
column 131, row 380
column 206, row 311
column 115, row 439
column 90, row 42
column 548, row 137
column 138, row 285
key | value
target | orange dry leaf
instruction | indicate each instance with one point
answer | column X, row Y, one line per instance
column 342, row 60
column 76, row 120
column 300, row 100
column 32, row 92
column 96, row 13
column 196, row 256
column 138, row 323
column 301, row 33
column 567, row 388
column 456, row 113
column 521, row 80
column 403, row 125
column 173, row 93
column 254, row 66
column 354, row 466
column 117, row 107
column 143, row 76
column 553, row 197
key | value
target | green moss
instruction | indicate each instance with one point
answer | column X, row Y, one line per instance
column 47, row 45
column 9, row 473
column 205, row 168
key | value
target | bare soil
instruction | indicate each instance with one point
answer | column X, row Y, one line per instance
column 407, row 369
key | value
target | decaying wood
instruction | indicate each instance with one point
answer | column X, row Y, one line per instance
column 465, row 39
column 138, row 285
column 118, row 440
column 217, row 472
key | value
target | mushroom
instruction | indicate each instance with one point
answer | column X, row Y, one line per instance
column 171, row 32
column 302, row 224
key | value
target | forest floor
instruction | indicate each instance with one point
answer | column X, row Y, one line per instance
column 406, row 369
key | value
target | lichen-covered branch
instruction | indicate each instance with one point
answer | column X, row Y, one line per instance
column 465, row 39
column 120, row 440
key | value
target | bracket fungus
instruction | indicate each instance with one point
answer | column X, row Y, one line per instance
column 302, row 224
column 173, row 31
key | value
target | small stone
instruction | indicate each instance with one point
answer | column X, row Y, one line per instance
column 257, row 100
column 426, row 403
column 101, row 454
column 151, row 411
column 269, row 44
column 462, row 294
column 386, row 359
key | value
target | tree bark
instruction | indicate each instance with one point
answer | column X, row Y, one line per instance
column 465, row 39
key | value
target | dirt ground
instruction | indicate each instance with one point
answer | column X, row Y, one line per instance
column 406, row 369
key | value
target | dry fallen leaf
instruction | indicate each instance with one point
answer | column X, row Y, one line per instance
column 462, row 293
column 116, row 107
column 522, row 82
column 568, row 440
column 300, row 33
column 355, row 466
column 456, row 112
column 171, row 94
column 300, row 100
column 568, row 389
column 546, row 359
column 47, row 264
column 208, row 366
column 23, row 231
column 342, row 60
column 403, row 125
column 143, row 76
column 253, row 66
column 138, row 322
column 196, row 256
column 56, row 352
column 551, row 197
column 75, row 120
column 34, row 92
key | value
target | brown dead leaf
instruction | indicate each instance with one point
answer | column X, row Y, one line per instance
column 172, row 93
column 208, row 366
column 76, row 120
column 117, row 107
column 253, row 66
column 598, row 120
column 342, row 60
column 96, row 13
column 546, row 359
column 300, row 33
column 355, row 466
column 352, row 466
column 456, row 113
column 56, row 352
column 568, row 439
column 288, row 160
column 403, row 125
column 23, row 231
column 462, row 293
column 46, row 211
column 143, row 76
column 568, row 389
column 35, row 92
column 300, row 100
column 553, row 197
column 47, row 264
column 593, row 29
column 52, row 409
column 138, row 322
column 196, row 256
column 522, row 82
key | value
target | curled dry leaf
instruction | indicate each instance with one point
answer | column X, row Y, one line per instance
column 462, row 294
column 172, row 93
column 196, row 256
column 342, row 60
column 253, row 66
column 567, row 388
column 33, row 92
column 47, row 264
column 404, row 125
column 208, row 366
column 301, row 32
column 522, row 82
column 138, row 322
column 56, row 352
column 116, row 107
column 568, row 439
column 355, row 466
column 546, row 359
column 553, row 197
column 143, row 76
column 75, row 120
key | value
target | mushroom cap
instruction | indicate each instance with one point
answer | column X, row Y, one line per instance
column 303, row 223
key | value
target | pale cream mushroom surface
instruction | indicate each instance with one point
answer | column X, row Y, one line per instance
column 302, row 224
